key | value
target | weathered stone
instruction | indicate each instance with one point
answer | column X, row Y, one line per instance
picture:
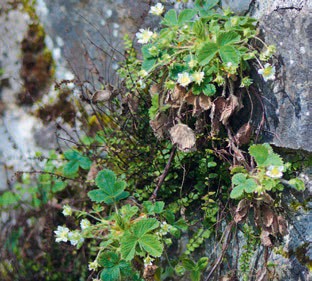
column 238, row 7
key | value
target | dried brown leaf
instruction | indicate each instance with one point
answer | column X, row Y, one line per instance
column 92, row 172
column 178, row 93
column 154, row 89
column 190, row 98
column 159, row 125
column 183, row 136
column 101, row 96
column 241, row 210
column 149, row 272
column 267, row 215
column 243, row 134
column 282, row 225
column 233, row 104
column 217, row 108
column 265, row 239
column 204, row 102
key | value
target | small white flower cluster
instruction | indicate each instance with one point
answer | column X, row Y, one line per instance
column 268, row 72
column 275, row 172
column 157, row 10
column 144, row 35
column 185, row 78
column 67, row 210
column 93, row 265
column 63, row 234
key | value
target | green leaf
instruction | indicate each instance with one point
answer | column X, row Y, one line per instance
column 128, row 243
column 148, row 64
column 260, row 153
column 229, row 54
column 106, row 180
column 209, row 90
column 154, row 108
column 202, row 263
column 121, row 196
column 151, row 245
column 297, row 184
column 108, row 259
column 250, row 185
column 225, row 38
column 237, row 192
column 207, row 52
column 85, row 163
column 170, row 18
column 273, row 160
column 97, row 195
column 239, row 178
column 269, row 183
column 110, row 274
column 143, row 226
column 159, row 207
column 59, row 186
column 195, row 275
column 188, row 264
column 71, row 168
column 129, row 211
column 199, row 29
column 176, row 69
column 186, row 15
column 8, row 198
column 146, row 54
column 72, row 154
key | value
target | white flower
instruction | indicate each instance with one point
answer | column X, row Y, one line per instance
column 143, row 73
column 75, row 237
column 165, row 228
column 85, row 224
column 184, row 79
column 67, row 210
column 157, row 10
column 198, row 77
column 148, row 261
column 229, row 64
column 268, row 72
column 141, row 84
column 61, row 234
column 275, row 172
column 144, row 36
column 93, row 265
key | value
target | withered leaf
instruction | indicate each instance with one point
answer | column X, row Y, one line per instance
column 190, row 98
column 204, row 102
column 101, row 96
column 282, row 225
column 243, row 134
column 241, row 210
column 149, row 272
column 265, row 239
column 266, row 198
column 183, row 136
column 267, row 215
column 217, row 108
column 159, row 125
column 92, row 172
column 233, row 104
column 178, row 93
column 154, row 89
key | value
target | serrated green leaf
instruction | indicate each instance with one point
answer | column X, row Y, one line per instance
column 209, row 90
column 297, row 184
column 97, row 195
column 170, row 18
column 225, row 38
column 237, row 192
column 250, row 185
column 159, row 207
column 148, row 64
column 186, row 15
column 188, row 264
column 106, row 180
column 71, row 154
column 151, row 245
column 8, row 198
column 109, row 259
column 273, row 160
column 260, row 153
column 207, row 52
column 229, row 54
column 202, row 263
column 59, row 186
column 145, row 52
column 71, row 168
column 85, row 163
column 176, row 69
column 239, row 178
column 121, row 196
column 110, row 274
column 195, row 275
column 128, row 243
column 128, row 211
column 143, row 226
column 199, row 29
